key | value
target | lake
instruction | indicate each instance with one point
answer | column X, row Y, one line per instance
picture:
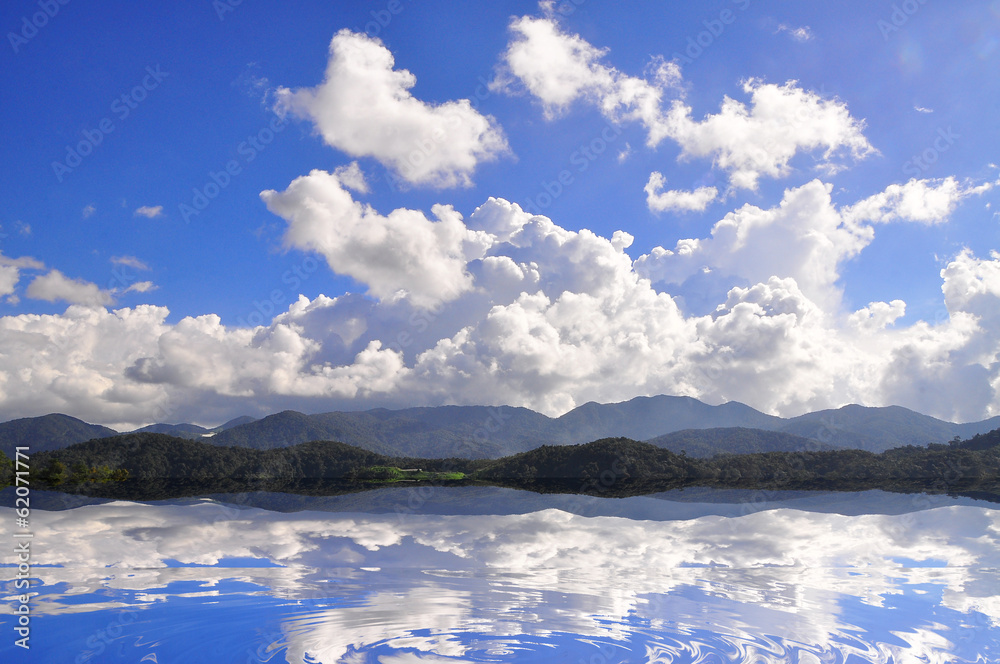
column 449, row 575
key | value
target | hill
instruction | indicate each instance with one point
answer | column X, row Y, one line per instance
column 481, row 432
column 706, row 443
column 48, row 432
column 150, row 465
column 193, row 431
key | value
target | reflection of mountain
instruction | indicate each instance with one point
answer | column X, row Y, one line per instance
column 486, row 432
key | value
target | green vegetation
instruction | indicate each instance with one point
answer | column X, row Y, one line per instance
column 149, row 465
column 394, row 474
column 6, row 470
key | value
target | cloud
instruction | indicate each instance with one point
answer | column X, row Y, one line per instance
column 804, row 238
column 89, row 211
column 129, row 261
column 10, row 271
column 802, row 34
column 923, row 201
column 685, row 201
column 404, row 254
column 55, row 286
column 505, row 307
column 761, row 140
column 364, row 108
column 560, row 69
column 141, row 287
column 149, row 212
column 921, row 109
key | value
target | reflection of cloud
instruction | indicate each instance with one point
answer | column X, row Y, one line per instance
column 781, row 572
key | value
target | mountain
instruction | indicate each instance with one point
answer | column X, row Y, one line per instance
column 48, row 432
column 235, row 422
column 706, row 443
column 492, row 432
column 193, row 431
column 189, row 431
column 880, row 429
column 445, row 431
column 646, row 417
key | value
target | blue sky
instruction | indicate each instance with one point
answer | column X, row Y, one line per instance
column 898, row 94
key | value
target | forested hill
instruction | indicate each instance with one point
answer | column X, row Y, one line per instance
column 49, row 432
column 141, row 460
column 480, row 432
column 153, row 456
column 706, row 443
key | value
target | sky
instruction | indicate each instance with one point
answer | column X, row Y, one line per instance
column 222, row 208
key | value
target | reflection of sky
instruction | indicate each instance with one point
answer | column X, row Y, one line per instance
column 779, row 585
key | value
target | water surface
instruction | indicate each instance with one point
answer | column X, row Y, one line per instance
column 463, row 575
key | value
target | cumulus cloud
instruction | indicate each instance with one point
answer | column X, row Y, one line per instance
column 761, row 140
column 10, row 271
column 804, row 238
column 521, row 311
column 404, row 254
column 150, row 212
column 364, row 108
column 684, row 201
column 558, row 69
column 781, row 121
column 55, row 286
column 923, row 201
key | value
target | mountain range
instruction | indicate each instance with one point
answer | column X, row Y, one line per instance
column 493, row 432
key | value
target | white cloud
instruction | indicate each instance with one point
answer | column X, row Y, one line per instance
column 801, row 34
column 10, row 271
column 685, row 201
column 877, row 315
column 403, row 254
column 762, row 139
column 149, row 212
column 89, row 211
column 560, row 68
column 923, row 201
column 749, row 142
column 364, row 108
column 534, row 315
column 56, row 286
column 141, row 287
column 804, row 238
column 129, row 261
column 921, row 109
